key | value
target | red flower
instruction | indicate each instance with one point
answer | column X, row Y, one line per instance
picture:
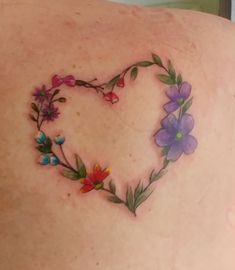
column 95, row 179
column 121, row 82
column 68, row 80
column 111, row 97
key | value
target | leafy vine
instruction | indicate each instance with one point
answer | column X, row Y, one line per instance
column 173, row 136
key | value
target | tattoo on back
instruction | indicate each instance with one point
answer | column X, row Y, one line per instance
column 173, row 136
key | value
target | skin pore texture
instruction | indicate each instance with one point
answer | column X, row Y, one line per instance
column 46, row 223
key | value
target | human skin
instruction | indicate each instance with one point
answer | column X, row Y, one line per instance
column 45, row 222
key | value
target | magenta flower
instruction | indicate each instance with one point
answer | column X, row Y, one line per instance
column 177, row 96
column 50, row 112
column 58, row 81
column 174, row 135
column 42, row 94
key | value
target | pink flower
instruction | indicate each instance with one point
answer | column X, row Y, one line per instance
column 42, row 94
column 58, row 81
column 111, row 97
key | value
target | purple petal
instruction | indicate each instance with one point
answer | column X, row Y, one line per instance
column 189, row 144
column 171, row 106
column 170, row 123
column 185, row 90
column 163, row 138
column 186, row 124
column 173, row 93
column 175, row 151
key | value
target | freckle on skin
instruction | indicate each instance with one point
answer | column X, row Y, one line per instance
column 78, row 113
column 73, row 66
column 97, row 263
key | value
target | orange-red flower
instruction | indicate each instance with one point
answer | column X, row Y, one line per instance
column 94, row 180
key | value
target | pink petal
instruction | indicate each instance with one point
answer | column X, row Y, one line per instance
column 56, row 81
column 70, row 80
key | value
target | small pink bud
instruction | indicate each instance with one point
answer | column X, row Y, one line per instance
column 70, row 80
column 121, row 82
column 111, row 97
column 56, row 81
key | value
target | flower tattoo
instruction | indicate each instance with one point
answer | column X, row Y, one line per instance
column 173, row 136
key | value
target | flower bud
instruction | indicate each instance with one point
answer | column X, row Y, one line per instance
column 44, row 159
column 40, row 137
column 54, row 160
column 70, row 80
column 121, row 82
column 56, row 81
column 111, row 97
column 59, row 139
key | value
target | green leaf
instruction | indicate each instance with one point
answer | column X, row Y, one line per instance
column 179, row 79
column 81, row 168
column 112, row 83
column 134, row 73
column 156, row 176
column 144, row 64
column 171, row 71
column 138, row 190
column 143, row 197
column 70, row 174
column 44, row 149
column 130, row 199
column 115, row 199
column 165, row 79
column 157, row 60
column 112, row 187
column 34, row 107
column 187, row 105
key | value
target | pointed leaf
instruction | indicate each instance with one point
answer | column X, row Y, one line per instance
column 44, row 149
column 32, row 117
column 154, row 177
column 139, row 188
column 179, row 79
column 143, row 197
column 134, row 73
column 112, row 187
column 34, row 107
column 144, row 63
column 157, row 60
column 70, row 174
column 165, row 79
column 115, row 199
column 130, row 199
column 81, row 168
column 171, row 71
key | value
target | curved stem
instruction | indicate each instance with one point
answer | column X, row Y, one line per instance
column 66, row 160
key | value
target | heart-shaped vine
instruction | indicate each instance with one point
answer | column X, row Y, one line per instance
column 173, row 136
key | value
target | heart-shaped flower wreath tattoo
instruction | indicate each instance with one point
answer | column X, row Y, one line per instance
column 173, row 136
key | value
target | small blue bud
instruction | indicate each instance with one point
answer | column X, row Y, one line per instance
column 54, row 160
column 59, row 139
column 40, row 137
column 44, row 159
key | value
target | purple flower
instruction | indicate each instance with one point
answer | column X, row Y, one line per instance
column 174, row 135
column 50, row 112
column 42, row 94
column 177, row 96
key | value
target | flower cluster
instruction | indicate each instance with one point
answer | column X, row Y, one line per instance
column 46, row 98
column 45, row 145
column 174, row 134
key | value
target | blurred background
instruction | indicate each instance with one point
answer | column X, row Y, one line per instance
column 219, row 7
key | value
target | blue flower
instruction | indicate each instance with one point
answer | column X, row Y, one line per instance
column 59, row 139
column 54, row 160
column 177, row 96
column 44, row 159
column 40, row 137
column 174, row 135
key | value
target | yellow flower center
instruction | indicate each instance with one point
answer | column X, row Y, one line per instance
column 178, row 135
